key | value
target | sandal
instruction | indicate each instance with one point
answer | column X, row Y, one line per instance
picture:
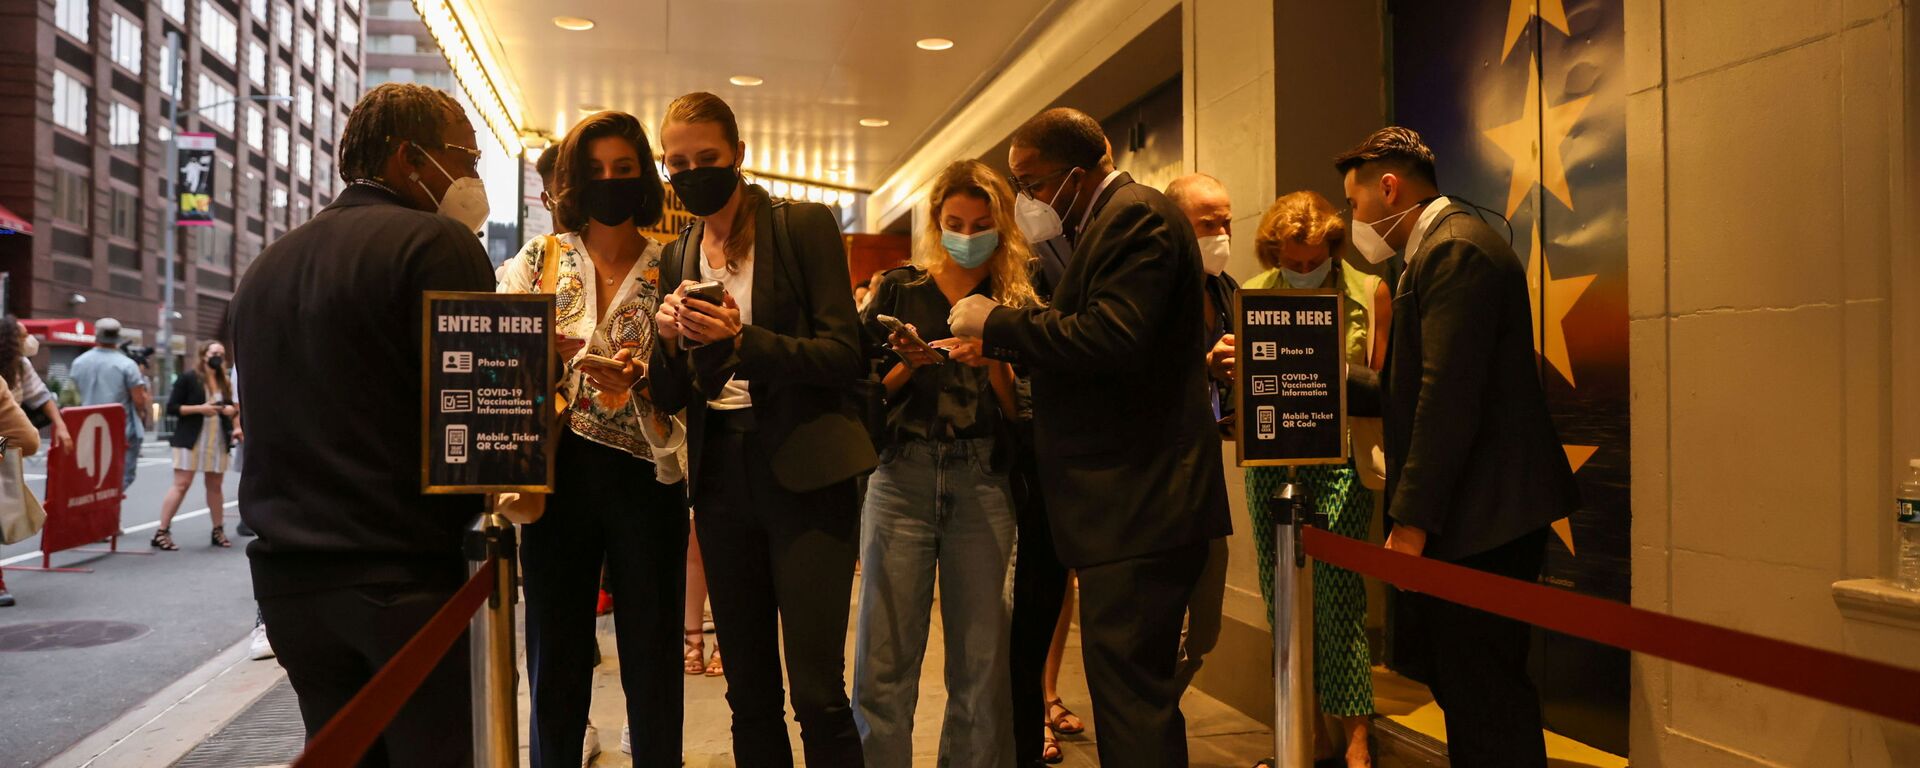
column 220, row 537
column 1066, row 722
column 713, row 661
column 163, row 540
column 1050, row 748
column 694, row 657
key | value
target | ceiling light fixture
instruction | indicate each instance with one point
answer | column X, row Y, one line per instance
column 745, row 81
column 875, row 122
column 934, row 43
column 573, row 23
column 592, row 108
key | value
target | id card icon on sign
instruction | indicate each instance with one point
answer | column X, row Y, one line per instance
column 456, row 362
column 1266, row 350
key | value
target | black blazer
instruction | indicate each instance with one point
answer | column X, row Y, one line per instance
column 1473, row 457
column 1129, row 457
column 187, row 390
column 799, row 356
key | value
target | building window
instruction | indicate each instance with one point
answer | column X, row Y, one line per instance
column 125, row 213
column 282, row 80
column 328, row 64
column 349, row 36
column 257, row 9
column 175, row 9
column 128, row 46
column 256, row 63
column 303, row 160
column 303, row 103
column 304, row 49
column 216, row 102
column 354, row 4
column 279, row 199
column 280, row 144
column 73, row 17
column 251, row 195
column 219, row 33
column 70, row 197
column 283, row 23
column 307, row 4
column 327, row 9
column 223, row 182
column 323, row 121
column 166, row 73
column 256, row 127
column 123, row 126
column 69, row 102
column 214, row 247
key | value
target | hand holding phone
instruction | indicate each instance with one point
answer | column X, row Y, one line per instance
column 909, row 345
column 711, row 292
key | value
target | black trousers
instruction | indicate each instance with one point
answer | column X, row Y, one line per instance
column 606, row 507
column 779, row 567
column 1039, row 587
column 332, row 642
column 1478, row 668
column 1130, row 616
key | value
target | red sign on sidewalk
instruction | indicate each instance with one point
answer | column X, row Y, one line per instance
column 84, row 484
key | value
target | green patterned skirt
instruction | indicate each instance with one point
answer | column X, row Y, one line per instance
column 1342, row 663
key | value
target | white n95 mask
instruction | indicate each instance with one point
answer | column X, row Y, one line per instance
column 1370, row 242
column 1214, row 252
column 465, row 200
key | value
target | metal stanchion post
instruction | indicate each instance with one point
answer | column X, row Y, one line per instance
column 1292, row 695
column 496, row 711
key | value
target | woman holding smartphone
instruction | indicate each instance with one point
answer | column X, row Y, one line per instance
column 775, row 440
column 938, row 505
column 202, row 441
column 617, row 494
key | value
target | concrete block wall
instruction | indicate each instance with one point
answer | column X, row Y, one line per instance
column 1769, row 230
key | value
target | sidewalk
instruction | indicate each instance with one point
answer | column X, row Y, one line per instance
column 237, row 713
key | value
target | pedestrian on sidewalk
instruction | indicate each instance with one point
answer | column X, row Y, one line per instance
column 618, row 496
column 42, row 408
column 105, row 375
column 14, row 425
column 352, row 559
column 206, row 417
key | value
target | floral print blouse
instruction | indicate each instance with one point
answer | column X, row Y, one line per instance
column 627, row 422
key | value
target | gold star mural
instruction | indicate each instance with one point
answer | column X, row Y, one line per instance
column 1553, row 12
column 1533, row 143
column 1577, row 455
column 1557, row 296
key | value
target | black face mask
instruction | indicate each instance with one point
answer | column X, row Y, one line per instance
column 704, row 191
column 216, row 362
column 615, row 201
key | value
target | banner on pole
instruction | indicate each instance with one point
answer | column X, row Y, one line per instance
column 195, row 180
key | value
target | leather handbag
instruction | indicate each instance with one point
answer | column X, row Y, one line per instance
column 525, row 508
column 21, row 515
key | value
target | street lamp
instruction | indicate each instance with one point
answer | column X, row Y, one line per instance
column 170, row 238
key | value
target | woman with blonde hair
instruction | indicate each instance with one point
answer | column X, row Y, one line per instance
column 938, row 506
column 1299, row 241
column 201, row 445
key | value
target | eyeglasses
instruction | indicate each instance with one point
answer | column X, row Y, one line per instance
column 1031, row 188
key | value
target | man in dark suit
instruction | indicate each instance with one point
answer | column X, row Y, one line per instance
column 1475, row 470
column 1128, row 453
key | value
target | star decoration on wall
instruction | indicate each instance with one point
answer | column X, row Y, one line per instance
column 1533, row 144
column 1558, row 297
column 1577, row 456
column 1552, row 12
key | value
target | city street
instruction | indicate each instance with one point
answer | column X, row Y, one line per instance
column 184, row 606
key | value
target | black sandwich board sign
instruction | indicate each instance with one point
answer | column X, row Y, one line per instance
column 487, row 408
column 1289, row 380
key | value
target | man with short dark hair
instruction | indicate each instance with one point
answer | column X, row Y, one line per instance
column 351, row 559
column 105, row 375
column 1129, row 457
column 1475, row 471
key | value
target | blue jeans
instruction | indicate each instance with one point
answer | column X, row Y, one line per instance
column 935, row 508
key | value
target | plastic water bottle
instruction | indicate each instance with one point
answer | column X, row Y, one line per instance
column 1907, row 504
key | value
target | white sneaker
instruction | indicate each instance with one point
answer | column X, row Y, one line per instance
column 591, row 748
column 258, row 647
column 626, row 739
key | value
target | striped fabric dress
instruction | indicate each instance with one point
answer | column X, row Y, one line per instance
column 208, row 454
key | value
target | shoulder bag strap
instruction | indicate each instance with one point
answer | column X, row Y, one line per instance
column 550, row 265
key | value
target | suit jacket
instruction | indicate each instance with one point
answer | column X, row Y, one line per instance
column 1473, row 457
column 1129, row 456
column 799, row 356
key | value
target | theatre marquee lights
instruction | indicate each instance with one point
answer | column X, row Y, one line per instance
column 461, row 32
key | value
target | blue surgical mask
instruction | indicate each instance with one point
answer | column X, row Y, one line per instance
column 1312, row 278
column 973, row 250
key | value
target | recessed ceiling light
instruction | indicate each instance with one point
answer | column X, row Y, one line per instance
column 875, row 122
column 592, row 108
column 934, row 43
column 745, row 80
column 573, row 23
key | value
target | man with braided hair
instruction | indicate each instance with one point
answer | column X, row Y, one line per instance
column 351, row 559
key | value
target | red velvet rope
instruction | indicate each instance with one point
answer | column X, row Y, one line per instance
column 1862, row 684
column 351, row 731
